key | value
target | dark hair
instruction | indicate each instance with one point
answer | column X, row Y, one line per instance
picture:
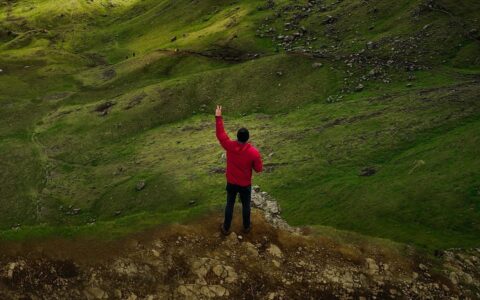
column 243, row 135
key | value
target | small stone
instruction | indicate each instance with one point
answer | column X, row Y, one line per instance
column 251, row 248
column 140, row 185
column 95, row 293
column 274, row 250
column 414, row 275
column 368, row 171
column 422, row 267
column 218, row 270
column 453, row 278
column 359, row 87
column 317, row 65
column 372, row 266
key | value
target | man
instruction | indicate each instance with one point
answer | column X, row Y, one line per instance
column 241, row 159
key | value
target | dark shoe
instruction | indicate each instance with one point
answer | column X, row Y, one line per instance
column 223, row 231
column 247, row 230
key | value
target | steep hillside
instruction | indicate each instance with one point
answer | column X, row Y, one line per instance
column 366, row 112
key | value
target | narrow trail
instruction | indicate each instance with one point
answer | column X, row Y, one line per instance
column 44, row 159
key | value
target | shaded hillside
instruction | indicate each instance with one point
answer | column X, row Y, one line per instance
column 366, row 112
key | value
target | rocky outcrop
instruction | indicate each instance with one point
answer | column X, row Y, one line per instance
column 271, row 209
column 196, row 262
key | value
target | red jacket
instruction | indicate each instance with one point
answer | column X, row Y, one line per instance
column 241, row 158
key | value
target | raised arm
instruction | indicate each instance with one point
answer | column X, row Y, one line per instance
column 220, row 130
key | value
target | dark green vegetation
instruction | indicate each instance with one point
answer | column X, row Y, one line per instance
column 99, row 96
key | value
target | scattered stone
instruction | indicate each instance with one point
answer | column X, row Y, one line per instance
column 317, row 65
column 109, row 74
column 217, row 170
column 104, row 108
column 93, row 293
column 275, row 251
column 140, row 185
column 359, row 87
column 372, row 267
column 422, row 267
column 368, row 171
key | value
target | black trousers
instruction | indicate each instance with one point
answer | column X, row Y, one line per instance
column 245, row 196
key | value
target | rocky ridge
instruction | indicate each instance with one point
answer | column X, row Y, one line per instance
column 275, row 261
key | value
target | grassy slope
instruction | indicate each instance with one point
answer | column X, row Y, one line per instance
column 59, row 153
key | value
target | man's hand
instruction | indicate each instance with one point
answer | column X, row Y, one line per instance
column 218, row 111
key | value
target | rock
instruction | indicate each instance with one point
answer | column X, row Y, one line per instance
column 368, row 171
column 453, row 278
column 192, row 202
column 272, row 207
column 414, row 275
column 276, row 263
column 317, row 65
column 371, row 45
column 92, row 293
column 217, row 170
column 10, row 269
column 422, row 267
column 232, row 239
column 125, row 267
column 132, row 297
column 359, row 87
column 140, row 185
column 103, row 108
column 275, row 251
column 155, row 253
column 219, row 290
column 372, row 267
column 467, row 278
column 173, row 39
column 109, row 74
column 1, row 70
column 251, row 249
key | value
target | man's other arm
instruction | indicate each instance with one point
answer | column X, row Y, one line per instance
column 257, row 163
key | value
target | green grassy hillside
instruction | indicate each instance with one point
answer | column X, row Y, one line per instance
column 366, row 113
